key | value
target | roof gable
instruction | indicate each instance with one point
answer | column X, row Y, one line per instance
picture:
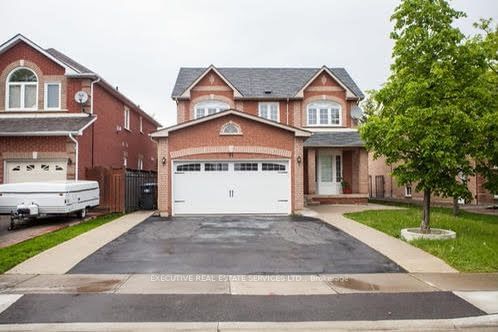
column 164, row 132
column 186, row 92
column 20, row 38
column 349, row 93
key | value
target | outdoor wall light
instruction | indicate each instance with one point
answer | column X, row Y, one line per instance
column 299, row 159
column 163, row 161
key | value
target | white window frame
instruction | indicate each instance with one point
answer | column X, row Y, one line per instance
column 268, row 105
column 218, row 105
column 126, row 119
column 125, row 162
column 324, row 104
column 406, row 191
column 22, row 92
column 140, row 164
column 45, row 99
column 141, row 125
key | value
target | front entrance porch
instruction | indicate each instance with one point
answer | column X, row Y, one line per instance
column 336, row 175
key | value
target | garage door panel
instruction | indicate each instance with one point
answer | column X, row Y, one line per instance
column 231, row 187
column 35, row 170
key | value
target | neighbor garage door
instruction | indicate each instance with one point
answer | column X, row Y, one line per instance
column 27, row 171
column 222, row 187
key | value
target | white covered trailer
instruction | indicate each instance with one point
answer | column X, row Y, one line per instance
column 37, row 199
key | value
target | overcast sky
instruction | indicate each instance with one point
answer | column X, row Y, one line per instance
column 140, row 45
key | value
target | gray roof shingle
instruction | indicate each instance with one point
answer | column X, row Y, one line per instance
column 68, row 61
column 334, row 139
column 43, row 125
column 252, row 82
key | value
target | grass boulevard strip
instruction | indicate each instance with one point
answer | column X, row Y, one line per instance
column 474, row 249
column 18, row 253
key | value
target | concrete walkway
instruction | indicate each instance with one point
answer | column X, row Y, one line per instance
column 412, row 259
column 61, row 258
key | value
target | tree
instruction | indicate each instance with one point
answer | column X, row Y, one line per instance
column 427, row 120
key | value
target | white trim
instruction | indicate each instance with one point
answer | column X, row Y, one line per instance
column 324, row 104
column 349, row 93
column 5, row 115
column 5, row 46
column 186, row 93
column 126, row 118
column 141, row 124
column 45, row 99
column 216, row 104
column 406, row 191
column 164, row 132
column 22, row 92
column 269, row 104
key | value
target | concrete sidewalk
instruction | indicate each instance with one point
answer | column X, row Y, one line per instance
column 412, row 259
column 61, row 258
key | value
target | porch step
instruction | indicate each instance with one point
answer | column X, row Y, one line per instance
column 337, row 199
column 311, row 202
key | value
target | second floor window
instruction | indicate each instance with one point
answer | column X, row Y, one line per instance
column 209, row 107
column 126, row 120
column 269, row 111
column 22, row 90
column 141, row 125
column 53, row 96
column 324, row 113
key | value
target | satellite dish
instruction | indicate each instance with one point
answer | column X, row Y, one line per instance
column 356, row 112
column 81, row 97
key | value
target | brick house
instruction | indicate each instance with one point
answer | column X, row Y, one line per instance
column 261, row 140
column 382, row 185
column 45, row 134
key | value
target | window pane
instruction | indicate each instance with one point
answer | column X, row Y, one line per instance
column 324, row 116
column 53, row 95
column 274, row 112
column 246, row 166
column 216, row 167
column 211, row 110
column 312, row 116
column 14, row 96
column 188, row 168
column 23, row 75
column 29, row 96
column 272, row 167
column 263, row 111
column 326, row 169
column 199, row 113
column 335, row 115
column 338, row 170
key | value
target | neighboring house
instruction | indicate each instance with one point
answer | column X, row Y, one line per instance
column 46, row 135
column 382, row 185
column 261, row 140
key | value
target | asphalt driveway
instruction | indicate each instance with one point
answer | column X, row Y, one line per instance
column 235, row 245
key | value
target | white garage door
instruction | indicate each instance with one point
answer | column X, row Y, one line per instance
column 27, row 171
column 222, row 187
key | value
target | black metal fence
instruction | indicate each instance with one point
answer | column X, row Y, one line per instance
column 140, row 190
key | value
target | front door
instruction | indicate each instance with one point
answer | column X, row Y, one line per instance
column 329, row 173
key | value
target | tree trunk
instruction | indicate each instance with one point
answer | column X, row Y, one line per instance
column 456, row 207
column 425, row 225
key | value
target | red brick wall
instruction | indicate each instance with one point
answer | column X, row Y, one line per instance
column 111, row 145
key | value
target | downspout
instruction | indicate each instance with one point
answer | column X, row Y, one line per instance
column 287, row 110
column 77, row 150
column 91, row 112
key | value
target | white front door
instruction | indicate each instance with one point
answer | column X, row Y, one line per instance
column 35, row 170
column 226, row 187
column 329, row 173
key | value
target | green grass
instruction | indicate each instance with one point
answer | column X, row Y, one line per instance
column 474, row 250
column 18, row 253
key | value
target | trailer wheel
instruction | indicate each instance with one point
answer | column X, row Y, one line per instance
column 82, row 213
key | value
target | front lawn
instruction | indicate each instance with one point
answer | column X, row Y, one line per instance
column 474, row 250
column 18, row 253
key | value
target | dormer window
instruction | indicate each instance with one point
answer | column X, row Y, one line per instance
column 209, row 107
column 22, row 90
column 324, row 114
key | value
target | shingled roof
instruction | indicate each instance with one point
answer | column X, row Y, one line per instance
column 253, row 82
column 44, row 126
column 335, row 139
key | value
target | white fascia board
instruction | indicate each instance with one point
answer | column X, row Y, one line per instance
column 55, row 114
column 186, row 93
